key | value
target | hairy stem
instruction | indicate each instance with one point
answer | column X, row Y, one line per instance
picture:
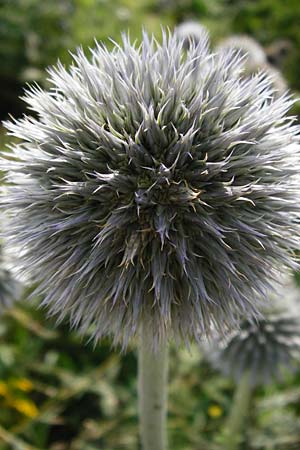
column 240, row 409
column 152, row 380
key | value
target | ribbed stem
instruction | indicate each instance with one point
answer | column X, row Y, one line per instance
column 152, row 381
column 239, row 411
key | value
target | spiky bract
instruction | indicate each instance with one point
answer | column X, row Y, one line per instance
column 262, row 349
column 254, row 60
column 155, row 187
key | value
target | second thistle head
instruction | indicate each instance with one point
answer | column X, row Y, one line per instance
column 190, row 32
column 252, row 52
column 262, row 349
column 154, row 187
column 10, row 288
column 254, row 60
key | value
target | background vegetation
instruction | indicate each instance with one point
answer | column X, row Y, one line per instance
column 56, row 391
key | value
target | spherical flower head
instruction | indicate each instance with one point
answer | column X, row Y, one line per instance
column 261, row 349
column 153, row 188
column 10, row 288
column 253, row 53
column 190, row 32
column 254, row 60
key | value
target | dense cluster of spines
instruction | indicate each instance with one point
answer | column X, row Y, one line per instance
column 153, row 186
column 262, row 349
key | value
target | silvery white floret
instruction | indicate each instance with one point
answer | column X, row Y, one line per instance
column 153, row 187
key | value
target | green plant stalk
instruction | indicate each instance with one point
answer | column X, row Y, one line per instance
column 240, row 409
column 152, row 390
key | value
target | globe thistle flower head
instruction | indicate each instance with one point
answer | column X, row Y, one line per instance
column 154, row 188
column 10, row 288
column 253, row 53
column 263, row 348
column 254, row 60
column 190, row 32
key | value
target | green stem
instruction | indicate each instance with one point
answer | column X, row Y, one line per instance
column 152, row 380
column 240, row 409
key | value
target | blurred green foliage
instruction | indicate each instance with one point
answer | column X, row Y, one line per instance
column 34, row 33
column 271, row 21
column 57, row 392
